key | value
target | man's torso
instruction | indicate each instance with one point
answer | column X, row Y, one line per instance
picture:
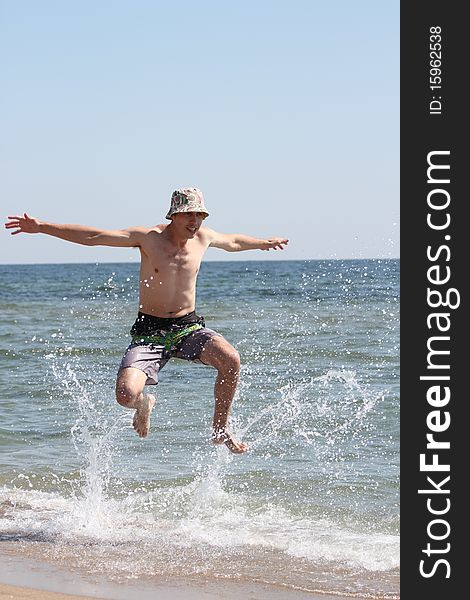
column 168, row 274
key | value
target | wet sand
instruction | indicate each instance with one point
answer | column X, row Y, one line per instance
column 25, row 579
column 12, row 592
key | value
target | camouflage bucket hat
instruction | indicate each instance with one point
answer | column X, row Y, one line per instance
column 187, row 200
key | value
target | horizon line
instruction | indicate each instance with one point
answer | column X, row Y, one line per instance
column 137, row 262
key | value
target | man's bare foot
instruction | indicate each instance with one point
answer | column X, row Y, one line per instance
column 141, row 421
column 221, row 436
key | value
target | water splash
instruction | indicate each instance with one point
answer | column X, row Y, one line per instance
column 322, row 409
column 95, row 438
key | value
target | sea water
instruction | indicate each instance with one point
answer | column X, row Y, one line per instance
column 313, row 505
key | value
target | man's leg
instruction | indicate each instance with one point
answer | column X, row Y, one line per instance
column 218, row 353
column 129, row 393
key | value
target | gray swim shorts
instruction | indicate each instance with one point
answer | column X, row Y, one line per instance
column 151, row 357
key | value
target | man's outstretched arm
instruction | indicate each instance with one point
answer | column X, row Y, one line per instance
column 236, row 242
column 78, row 234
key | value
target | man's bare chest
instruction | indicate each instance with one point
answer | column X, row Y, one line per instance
column 164, row 260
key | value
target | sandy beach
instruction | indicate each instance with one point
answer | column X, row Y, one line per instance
column 12, row 592
column 22, row 578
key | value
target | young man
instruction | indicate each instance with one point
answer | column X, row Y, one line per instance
column 167, row 324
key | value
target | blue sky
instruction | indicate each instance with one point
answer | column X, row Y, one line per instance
column 285, row 114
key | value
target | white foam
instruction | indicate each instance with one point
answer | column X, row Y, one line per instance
column 212, row 517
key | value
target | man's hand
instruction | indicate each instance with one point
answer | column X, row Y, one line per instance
column 24, row 224
column 274, row 243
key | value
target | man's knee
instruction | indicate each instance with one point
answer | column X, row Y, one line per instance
column 125, row 395
column 232, row 359
column 224, row 357
column 127, row 390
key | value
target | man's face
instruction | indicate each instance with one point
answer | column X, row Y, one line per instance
column 188, row 224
